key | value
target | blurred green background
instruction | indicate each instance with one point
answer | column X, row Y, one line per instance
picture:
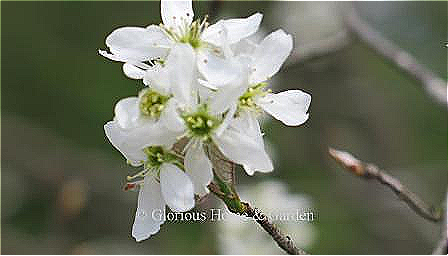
column 61, row 179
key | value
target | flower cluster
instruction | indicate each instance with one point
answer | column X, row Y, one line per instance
column 205, row 84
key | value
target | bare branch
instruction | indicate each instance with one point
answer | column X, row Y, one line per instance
column 370, row 171
column 441, row 248
column 433, row 86
column 283, row 241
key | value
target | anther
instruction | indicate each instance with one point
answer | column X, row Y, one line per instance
column 209, row 123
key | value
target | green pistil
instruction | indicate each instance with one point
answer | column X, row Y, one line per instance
column 201, row 123
column 247, row 99
column 156, row 156
column 152, row 103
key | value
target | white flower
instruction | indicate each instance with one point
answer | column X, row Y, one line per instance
column 206, row 84
column 206, row 119
column 186, row 117
column 164, row 183
column 143, row 141
column 140, row 48
column 132, row 130
column 242, row 142
column 134, row 134
column 263, row 61
column 147, row 120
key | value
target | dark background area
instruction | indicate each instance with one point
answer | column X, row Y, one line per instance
column 61, row 178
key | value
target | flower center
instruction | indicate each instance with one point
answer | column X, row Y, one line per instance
column 152, row 103
column 201, row 123
column 247, row 99
column 156, row 156
column 189, row 33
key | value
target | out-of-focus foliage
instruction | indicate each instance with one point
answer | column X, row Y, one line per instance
column 61, row 179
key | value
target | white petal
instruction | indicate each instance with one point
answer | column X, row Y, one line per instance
column 181, row 62
column 171, row 118
column 118, row 138
column 244, row 47
column 151, row 134
column 245, row 150
column 177, row 188
column 112, row 56
column 228, row 119
column 159, row 38
column 229, row 94
column 132, row 71
column 290, row 107
column 158, row 78
column 131, row 142
column 136, row 43
column 237, row 29
column 247, row 123
column 225, row 98
column 218, row 71
column 199, row 167
column 176, row 14
column 207, row 84
column 204, row 90
column 150, row 210
column 270, row 55
column 215, row 34
column 127, row 112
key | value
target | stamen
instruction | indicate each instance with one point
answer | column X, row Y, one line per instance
column 188, row 33
column 210, row 123
column 140, row 174
column 247, row 99
column 201, row 124
column 156, row 156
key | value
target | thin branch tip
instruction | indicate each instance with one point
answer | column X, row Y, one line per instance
column 348, row 161
column 371, row 171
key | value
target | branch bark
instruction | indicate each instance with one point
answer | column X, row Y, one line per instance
column 441, row 248
column 234, row 205
column 371, row 171
column 433, row 86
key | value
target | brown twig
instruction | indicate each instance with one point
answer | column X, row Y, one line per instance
column 433, row 86
column 370, row 171
column 441, row 248
column 442, row 244
column 234, row 205
column 282, row 240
